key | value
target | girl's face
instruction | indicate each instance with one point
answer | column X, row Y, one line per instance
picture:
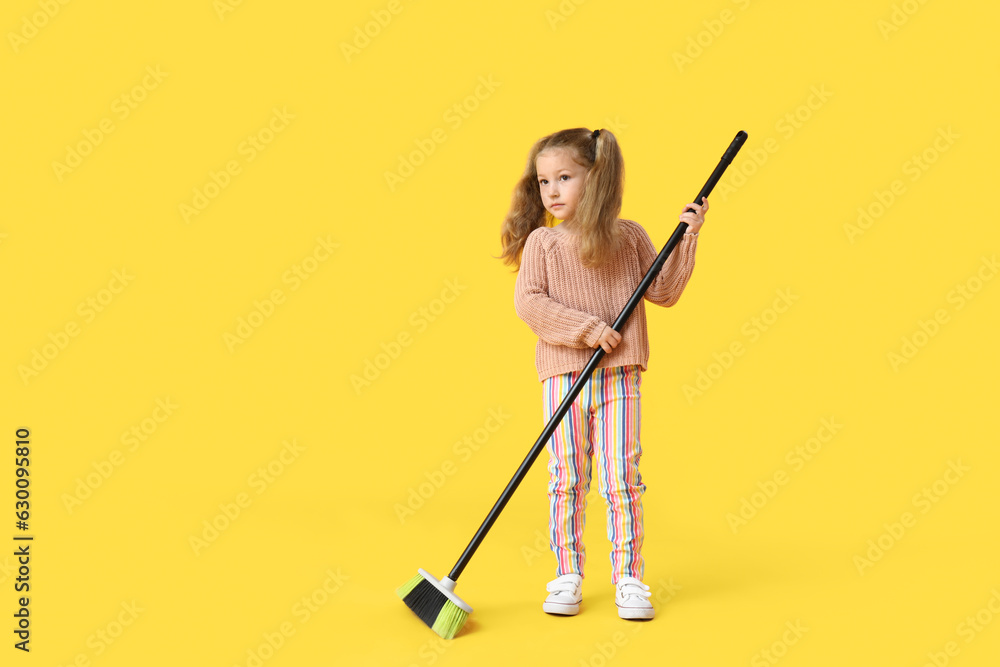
column 560, row 182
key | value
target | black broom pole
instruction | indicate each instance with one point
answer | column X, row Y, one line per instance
column 588, row 370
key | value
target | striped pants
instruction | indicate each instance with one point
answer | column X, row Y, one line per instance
column 603, row 421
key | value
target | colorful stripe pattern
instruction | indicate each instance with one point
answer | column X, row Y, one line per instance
column 603, row 421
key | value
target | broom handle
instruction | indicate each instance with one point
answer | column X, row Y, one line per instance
column 637, row 296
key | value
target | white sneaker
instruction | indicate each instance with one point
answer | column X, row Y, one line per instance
column 632, row 599
column 564, row 595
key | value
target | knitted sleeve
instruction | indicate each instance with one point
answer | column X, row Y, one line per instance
column 666, row 288
column 551, row 320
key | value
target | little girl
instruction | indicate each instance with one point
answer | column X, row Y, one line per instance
column 573, row 280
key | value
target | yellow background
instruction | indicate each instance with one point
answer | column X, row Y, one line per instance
column 328, row 526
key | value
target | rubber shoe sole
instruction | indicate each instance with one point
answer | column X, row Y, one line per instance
column 560, row 608
column 635, row 613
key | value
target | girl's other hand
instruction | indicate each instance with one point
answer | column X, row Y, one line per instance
column 696, row 218
column 609, row 339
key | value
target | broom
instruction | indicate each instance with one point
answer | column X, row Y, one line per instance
column 435, row 602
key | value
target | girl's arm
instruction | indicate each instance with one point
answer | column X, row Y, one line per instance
column 551, row 321
column 666, row 288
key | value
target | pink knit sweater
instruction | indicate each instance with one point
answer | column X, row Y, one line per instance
column 568, row 306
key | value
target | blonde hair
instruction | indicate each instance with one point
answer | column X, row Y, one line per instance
column 596, row 214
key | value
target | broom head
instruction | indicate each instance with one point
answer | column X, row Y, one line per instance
column 435, row 603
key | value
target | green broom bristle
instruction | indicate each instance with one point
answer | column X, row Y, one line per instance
column 432, row 607
column 405, row 589
column 450, row 620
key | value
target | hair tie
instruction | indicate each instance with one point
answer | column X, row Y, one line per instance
column 596, row 132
